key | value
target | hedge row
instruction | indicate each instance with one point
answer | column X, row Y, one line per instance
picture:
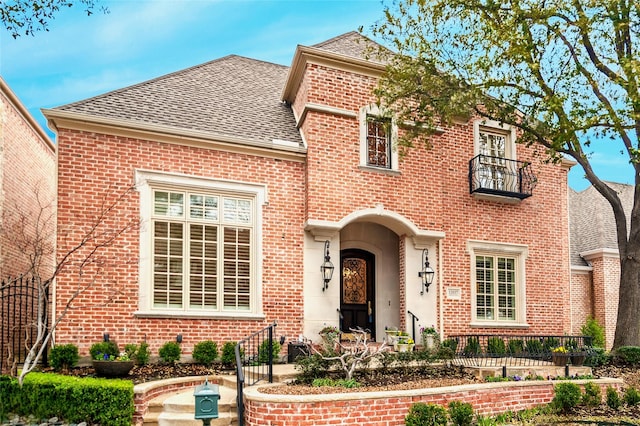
column 106, row 402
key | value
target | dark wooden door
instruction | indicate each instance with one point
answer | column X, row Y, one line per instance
column 357, row 298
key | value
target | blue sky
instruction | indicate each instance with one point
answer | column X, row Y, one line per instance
column 82, row 56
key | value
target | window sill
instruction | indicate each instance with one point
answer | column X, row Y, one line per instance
column 200, row 315
column 392, row 172
column 490, row 324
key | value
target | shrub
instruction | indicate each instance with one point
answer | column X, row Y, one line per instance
column 73, row 399
column 629, row 355
column 597, row 357
column 567, row 395
column 461, row 413
column 104, row 350
column 312, row 367
column 131, row 349
column 592, row 395
column 495, row 346
column 143, row 354
column 594, row 330
column 631, row 396
column 534, row 346
column 515, row 346
column 450, row 343
column 263, row 351
column 63, row 357
column 205, row 352
column 472, row 347
column 613, row 398
column 228, row 356
column 170, row 352
column 421, row 414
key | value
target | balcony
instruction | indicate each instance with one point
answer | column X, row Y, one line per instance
column 500, row 177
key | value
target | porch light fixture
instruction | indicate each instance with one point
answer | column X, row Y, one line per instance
column 327, row 267
column 427, row 272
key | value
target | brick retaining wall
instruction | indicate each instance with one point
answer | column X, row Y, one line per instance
column 390, row 408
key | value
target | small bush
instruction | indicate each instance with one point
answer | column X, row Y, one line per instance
column 131, row 349
column 205, row 352
column 461, row 413
column 170, row 352
column 567, row 396
column 472, row 347
column 263, row 351
column 515, row 346
column 143, row 354
column 104, row 350
column 495, row 346
column 311, row 368
column 421, row 414
column 64, row 357
column 613, row 398
column 228, row 356
column 592, row 395
column 594, row 330
column 534, row 346
column 631, row 396
column 450, row 343
column 597, row 357
column 627, row 355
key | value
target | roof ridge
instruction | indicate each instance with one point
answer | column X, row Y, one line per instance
column 162, row 77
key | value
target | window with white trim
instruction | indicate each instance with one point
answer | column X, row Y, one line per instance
column 498, row 283
column 377, row 133
column 199, row 251
column 495, row 144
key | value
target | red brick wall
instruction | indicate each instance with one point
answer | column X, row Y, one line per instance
column 390, row 408
column 582, row 305
column 27, row 185
column 93, row 166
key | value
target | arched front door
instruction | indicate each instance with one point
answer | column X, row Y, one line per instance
column 357, row 298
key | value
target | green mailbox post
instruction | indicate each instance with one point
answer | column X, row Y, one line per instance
column 207, row 397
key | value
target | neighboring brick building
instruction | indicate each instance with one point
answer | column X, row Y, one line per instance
column 27, row 221
column 246, row 171
column 595, row 259
column 27, row 183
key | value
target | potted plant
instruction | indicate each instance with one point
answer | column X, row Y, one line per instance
column 108, row 361
column 429, row 335
column 405, row 343
column 578, row 357
column 560, row 355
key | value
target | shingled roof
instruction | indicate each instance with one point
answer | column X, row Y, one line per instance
column 355, row 45
column 591, row 220
column 234, row 97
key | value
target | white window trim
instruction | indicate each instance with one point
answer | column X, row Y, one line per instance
column 146, row 182
column 493, row 126
column 520, row 252
column 374, row 110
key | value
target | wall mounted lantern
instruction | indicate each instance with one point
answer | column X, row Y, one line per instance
column 427, row 272
column 327, row 267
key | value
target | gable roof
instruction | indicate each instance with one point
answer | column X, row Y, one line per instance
column 591, row 220
column 232, row 96
column 355, row 45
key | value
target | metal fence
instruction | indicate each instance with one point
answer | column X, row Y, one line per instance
column 499, row 350
column 18, row 320
column 254, row 362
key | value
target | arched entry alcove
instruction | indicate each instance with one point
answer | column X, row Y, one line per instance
column 390, row 246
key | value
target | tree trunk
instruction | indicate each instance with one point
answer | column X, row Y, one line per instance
column 628, row 325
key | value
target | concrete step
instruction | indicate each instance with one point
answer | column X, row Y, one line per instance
column 179, row 409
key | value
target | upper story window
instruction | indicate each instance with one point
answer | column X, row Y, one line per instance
column 498, row 283
column 378, row 142
column 199, row 249
column 377, row 133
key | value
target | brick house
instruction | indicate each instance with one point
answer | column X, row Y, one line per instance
column 595, row 259
column 27, row 180
column 27, row 215
column 250, row 175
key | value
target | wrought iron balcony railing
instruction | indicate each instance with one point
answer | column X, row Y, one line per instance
column 500, row 176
